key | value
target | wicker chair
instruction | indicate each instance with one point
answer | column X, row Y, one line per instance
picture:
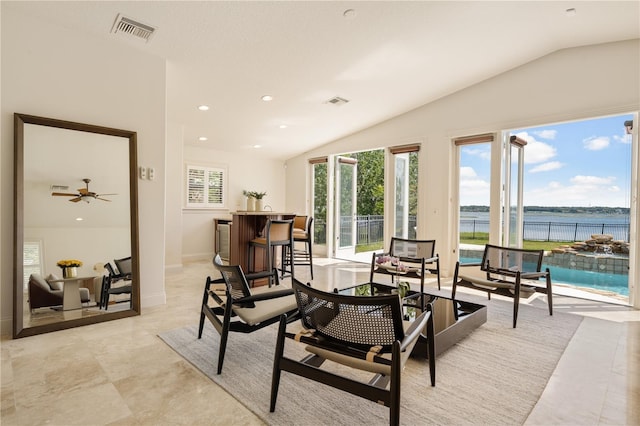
column 238, row 308
column 506, row 271
column 362, row 332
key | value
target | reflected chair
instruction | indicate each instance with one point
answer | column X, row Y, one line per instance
column 236, row 307
column 506, row 271
column 361, row 332
column 108, row 281
column 277, row 233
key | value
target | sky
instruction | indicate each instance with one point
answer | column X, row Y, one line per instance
column 574, row 164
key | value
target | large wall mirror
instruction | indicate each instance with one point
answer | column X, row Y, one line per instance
column 75, row 199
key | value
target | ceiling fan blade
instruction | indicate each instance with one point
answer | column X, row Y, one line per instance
column 102, row 195
column 63, row 194
column 75, row 200
column 103, row 199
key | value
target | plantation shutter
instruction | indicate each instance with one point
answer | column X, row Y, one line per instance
column 206, row 187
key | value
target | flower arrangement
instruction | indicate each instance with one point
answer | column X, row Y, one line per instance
column 69, row 263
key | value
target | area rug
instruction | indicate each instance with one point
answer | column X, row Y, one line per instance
column 493, row 376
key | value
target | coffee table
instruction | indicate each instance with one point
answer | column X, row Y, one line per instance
column 453, row 319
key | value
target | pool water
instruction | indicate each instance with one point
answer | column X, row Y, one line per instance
column 616, row 283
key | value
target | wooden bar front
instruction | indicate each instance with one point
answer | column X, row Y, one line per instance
column 245, row 227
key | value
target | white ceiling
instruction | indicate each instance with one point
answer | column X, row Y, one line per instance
column 389, row 58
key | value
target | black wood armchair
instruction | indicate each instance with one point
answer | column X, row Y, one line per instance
column 236, row 307
column 507, row 271
column 362, row 332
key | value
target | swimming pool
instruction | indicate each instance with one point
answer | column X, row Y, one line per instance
column 616, row 283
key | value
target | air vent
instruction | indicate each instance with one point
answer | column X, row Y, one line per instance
column 59, row 187
column 133, row 28
column 337, row 101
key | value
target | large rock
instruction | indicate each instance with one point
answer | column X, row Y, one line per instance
column 602, row 238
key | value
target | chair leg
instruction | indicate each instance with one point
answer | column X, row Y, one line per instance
column 394, row 387
column 549, row 293
column 275, row 376
column 516, row 303
column 205, row 298
column 431, row 347
column 223, row 338
column 106, row 301
column 310, row 257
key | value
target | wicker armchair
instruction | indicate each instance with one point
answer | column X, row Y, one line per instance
column 236, row 307
column 507, row 271
column 362, row 332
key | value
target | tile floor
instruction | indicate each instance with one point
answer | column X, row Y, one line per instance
column 121, row 373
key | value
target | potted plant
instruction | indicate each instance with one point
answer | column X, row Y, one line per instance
column 259, row 196
column 254, row 200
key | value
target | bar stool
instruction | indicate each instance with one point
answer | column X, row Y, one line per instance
column 302, row 233
column 277, row 233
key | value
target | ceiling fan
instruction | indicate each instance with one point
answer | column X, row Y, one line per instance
column 83, row 194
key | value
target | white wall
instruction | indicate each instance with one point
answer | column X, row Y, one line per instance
column 49, row 71
column 566, row 85
column 245, row 172
column 98, row 245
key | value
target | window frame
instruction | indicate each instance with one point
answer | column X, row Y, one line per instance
column 205, row 189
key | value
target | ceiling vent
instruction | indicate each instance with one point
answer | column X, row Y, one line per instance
column 59, row 187
column 133, row 28
column 337, row 100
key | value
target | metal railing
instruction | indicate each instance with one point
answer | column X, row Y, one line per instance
column 555, row 231
column 370, row 230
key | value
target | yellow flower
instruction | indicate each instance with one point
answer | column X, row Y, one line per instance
column 66, row 263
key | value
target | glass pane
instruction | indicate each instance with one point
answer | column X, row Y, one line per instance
column 196, row 186
column 320, row 203
column 474, row 182
column 346, row 204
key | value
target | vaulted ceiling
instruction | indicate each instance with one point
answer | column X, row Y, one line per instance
column 385, row 58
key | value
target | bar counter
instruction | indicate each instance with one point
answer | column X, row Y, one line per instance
column 245, row 226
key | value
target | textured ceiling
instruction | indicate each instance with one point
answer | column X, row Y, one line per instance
column 389, row 58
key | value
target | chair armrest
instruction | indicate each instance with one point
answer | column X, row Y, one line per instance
column 415, row 330
column 264, row 296
column 462, row 265
column 533, row 275
column 432, row 259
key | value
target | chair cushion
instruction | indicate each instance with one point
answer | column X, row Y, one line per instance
column 84, row 295
column 485, row 284
column 266, row 309
column 358, row 363
column 54, row 286
column 40, row 282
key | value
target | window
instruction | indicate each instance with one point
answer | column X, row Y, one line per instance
column 31, row 260
column 206, row 187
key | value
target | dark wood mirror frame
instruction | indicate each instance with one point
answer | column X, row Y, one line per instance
column 18, row 215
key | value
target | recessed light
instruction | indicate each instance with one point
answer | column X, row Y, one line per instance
column 570, row 12
column 203, row 138
column 267, row 98
column 203, row 107
column 257, row 146
column 79, row 219
column 283, row 126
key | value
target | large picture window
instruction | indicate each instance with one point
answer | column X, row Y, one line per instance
column 206, row 187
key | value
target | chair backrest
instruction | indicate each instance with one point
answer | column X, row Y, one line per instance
column 361, row 321
column 279, row 231
column 234, row 278
column 300, row 222
column 496, row 259
column 124, row 265
column 110, row 270
column 412, row 249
